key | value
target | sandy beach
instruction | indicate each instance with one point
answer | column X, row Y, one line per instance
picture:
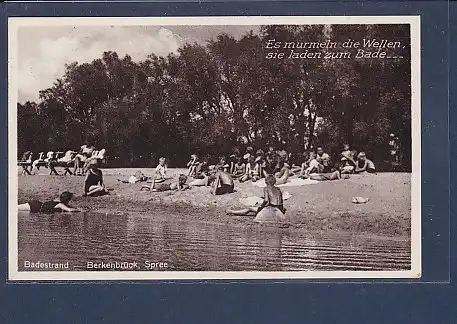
column 325, row 206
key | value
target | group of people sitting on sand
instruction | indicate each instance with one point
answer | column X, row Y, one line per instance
column 274, row 166
column 78, row 160
column 316, row 165
column 93, row 186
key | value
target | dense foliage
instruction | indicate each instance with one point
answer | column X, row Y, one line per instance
column 210, row 99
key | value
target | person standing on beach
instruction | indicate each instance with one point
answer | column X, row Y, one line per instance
column 223, row 183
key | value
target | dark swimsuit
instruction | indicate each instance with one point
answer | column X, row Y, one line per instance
column 48, row 207
column 92, row 180
column 225, row 188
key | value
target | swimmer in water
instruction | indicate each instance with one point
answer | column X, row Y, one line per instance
column 49, row 207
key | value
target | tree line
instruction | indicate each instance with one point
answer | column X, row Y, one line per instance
column 211, row 98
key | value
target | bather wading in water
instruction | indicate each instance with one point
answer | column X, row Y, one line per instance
column 60, row 204
column 272, row 208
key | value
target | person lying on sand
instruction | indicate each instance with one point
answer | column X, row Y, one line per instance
column 93, row 183
column 272, row 197
column 283, row 174
column 179, row 185
column 48, row 207
column 363, row 164
column 346, row 166
column 137, row 177
column 223, row 182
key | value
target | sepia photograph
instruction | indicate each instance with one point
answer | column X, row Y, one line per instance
column 214, row 148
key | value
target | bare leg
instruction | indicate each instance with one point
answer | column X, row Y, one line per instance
column 23, row 207
column 76, row 166
column 242, row 212
column 244, row 178
column 199, row 182
column 96, row 190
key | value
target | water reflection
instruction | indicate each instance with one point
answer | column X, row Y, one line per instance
column 190, row 245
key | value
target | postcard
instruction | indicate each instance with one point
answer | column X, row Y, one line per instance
column 214, row 148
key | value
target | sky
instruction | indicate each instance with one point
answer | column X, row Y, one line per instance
column 44, row 51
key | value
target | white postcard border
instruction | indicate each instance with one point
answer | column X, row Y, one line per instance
column 16, row 22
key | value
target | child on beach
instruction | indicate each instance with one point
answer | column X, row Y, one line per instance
column 48, row 207
column 363, row 164
column 161, row 170
column 272, row 200
column 192, row 165
column 252, row 171
column 223, row 182
column 179, row 185
column 239, row 169
column 283, row 174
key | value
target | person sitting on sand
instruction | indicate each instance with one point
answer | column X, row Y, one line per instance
column 223, row 182
column 192, row 165
column 179, row 185
column 248, row 154
column 232, row 160
column 283, row 174
column 160, row 171
column 239, row 169
column 52, row 162
column 137, row 177
column 269, row 164
column 363, row 164
column 346, row 166
column 48, row 207
column 96, row 155
column 303, row 163
column 335, row 175
column 313, row 166
column 93, row 184
column 206, row 178
column 272, row 197
column 252, row 171
column 323, row 158
column 202, row 169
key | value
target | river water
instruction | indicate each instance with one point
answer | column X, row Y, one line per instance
column 196, row 246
